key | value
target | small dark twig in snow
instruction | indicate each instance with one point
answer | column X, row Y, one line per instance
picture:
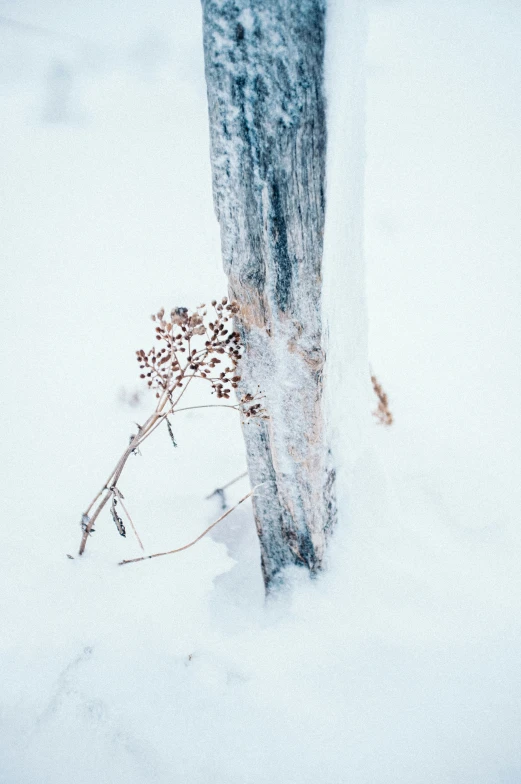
column 219, row 491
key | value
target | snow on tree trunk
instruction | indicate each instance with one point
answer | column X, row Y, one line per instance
column 264, row 62
column 347, row 395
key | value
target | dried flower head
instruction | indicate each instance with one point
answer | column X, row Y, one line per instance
column 382, row 413
column 193, row 345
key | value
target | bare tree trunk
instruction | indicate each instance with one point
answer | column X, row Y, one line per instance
column 264, row 70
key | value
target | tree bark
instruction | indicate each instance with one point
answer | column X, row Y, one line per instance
column 264, row 62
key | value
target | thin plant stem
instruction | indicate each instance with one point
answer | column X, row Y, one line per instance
column 88, row 528
column 210, row 405
column 228, row 484
column 120, row 498
column 108, row 482
column 191, row 544
column 111, row 482
column 144, row 432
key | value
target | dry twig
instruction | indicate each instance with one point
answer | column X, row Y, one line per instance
column 120, row 496
column 219, row 491
column 191, row 544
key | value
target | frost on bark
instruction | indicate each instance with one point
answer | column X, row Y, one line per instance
column 264, row 70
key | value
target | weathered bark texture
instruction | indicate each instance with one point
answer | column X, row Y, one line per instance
column 264, row 70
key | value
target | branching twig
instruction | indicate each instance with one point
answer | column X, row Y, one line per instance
column 169, row 371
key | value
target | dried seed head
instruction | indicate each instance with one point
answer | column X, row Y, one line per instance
column 162, row 370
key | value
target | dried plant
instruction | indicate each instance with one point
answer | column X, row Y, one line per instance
column 191, row 345
column 382, row 412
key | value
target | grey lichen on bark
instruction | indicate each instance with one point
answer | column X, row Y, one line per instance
column 264, row 62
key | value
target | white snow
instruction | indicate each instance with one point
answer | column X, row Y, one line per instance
column 344, row 305
column 401, row 665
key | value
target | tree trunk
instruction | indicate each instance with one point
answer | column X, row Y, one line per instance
column 264, row 63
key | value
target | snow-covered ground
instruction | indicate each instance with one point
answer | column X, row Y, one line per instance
column 399, row 666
